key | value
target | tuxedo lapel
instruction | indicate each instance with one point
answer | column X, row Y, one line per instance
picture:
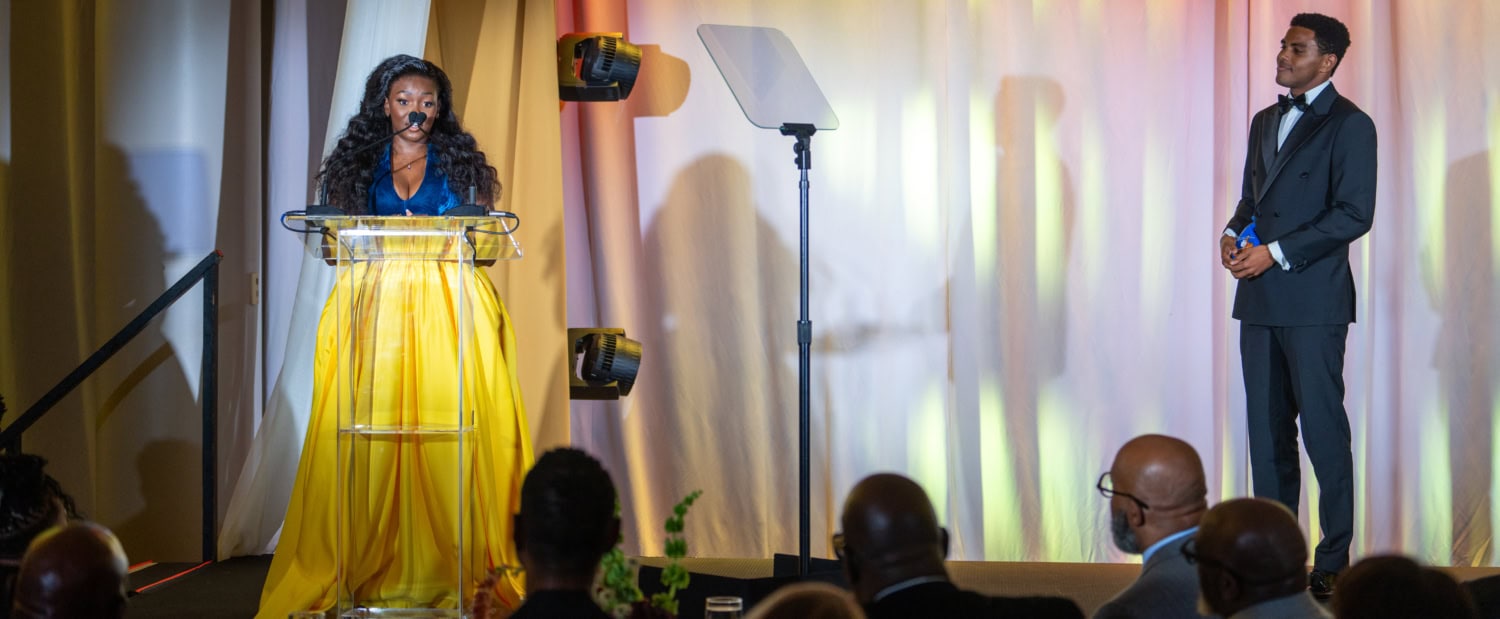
column 1311, row 121
column 1268, row 141
column 1304, row 129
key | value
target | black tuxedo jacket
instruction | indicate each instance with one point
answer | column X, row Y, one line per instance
column 942, row 599
column 1315, row 196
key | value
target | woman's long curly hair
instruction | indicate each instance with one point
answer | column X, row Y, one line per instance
column 347, row 175
column 27, row 507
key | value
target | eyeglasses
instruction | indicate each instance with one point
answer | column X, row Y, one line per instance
column 1190, row 552
column 1109, row 492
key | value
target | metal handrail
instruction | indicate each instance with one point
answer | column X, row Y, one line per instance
column 208, row 271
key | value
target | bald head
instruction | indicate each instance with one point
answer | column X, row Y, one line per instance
column 1162, row 471
column 891, row 533
column 1250, row 550
column 76, row 570
column 1165, row 478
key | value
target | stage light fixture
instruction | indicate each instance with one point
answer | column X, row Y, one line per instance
column 610, row 363
column 596, row 66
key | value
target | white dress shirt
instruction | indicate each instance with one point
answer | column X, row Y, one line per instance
column 1288, row 120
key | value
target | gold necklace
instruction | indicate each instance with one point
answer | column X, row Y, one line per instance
column 414, row 161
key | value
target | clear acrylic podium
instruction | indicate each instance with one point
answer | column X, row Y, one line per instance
column 401, row 450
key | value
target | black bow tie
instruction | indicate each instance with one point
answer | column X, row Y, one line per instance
column 1285, row 103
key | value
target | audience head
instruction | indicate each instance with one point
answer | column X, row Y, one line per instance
column 891, row 534
column 1156, row 488
column 75, row 570
column 1248, row 551
column 1485, row 593
column 567, row 520
column 1396, row 587
column 30, row 502
column 808, row 600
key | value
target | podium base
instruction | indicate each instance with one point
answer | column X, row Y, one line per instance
column 403, row 613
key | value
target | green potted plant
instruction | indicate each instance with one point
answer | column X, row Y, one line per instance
column 616, row 591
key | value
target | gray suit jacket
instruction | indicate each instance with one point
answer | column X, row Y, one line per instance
column 1316, row 195
column 1167, row 588
column 1296, row 606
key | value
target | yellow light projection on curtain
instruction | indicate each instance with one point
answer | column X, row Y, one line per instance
column 919, row 164
column 1093, row 202
column 1430, row 163
column 1063, row 461
column 927, row 447
column 1002, row 516
column 1051, row 258
column 982, row 199
column 1435, row 498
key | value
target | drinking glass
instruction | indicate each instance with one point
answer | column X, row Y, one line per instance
column 723, row 607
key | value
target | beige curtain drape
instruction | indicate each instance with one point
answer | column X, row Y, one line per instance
column 500, row 56
column 135, row 151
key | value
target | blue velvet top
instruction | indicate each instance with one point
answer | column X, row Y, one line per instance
column 432, row 198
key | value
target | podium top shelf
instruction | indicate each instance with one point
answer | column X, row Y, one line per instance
column 481, row 238
column 404, row 221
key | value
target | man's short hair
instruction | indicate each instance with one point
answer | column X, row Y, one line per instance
column 567, row 503
column 1396, row 586
column 1331, row 34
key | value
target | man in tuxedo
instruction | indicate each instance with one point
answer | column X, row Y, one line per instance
column 892, row 550
column 567, row 523
column 1252, row 562
column 1309, row 191
column 1156, row 496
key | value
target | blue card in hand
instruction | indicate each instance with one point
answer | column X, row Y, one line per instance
column 1247, row 238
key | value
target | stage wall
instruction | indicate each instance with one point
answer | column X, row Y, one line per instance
column 1014, row 265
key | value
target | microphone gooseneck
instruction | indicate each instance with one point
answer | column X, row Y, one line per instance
column 414, row 119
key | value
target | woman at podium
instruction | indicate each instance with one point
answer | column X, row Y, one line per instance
column 404, row 153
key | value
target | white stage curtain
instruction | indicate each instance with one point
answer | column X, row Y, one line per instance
column 1014, row 265
column 372, row 31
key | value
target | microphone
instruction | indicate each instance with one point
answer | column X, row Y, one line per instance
column 470, row 208
column 473, row 209
column 322, row 207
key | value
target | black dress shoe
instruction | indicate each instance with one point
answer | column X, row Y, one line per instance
column 1320, row 584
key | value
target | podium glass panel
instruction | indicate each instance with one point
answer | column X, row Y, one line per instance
column 405, row 324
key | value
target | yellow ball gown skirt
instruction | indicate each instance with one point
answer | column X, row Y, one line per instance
column 403, row 507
